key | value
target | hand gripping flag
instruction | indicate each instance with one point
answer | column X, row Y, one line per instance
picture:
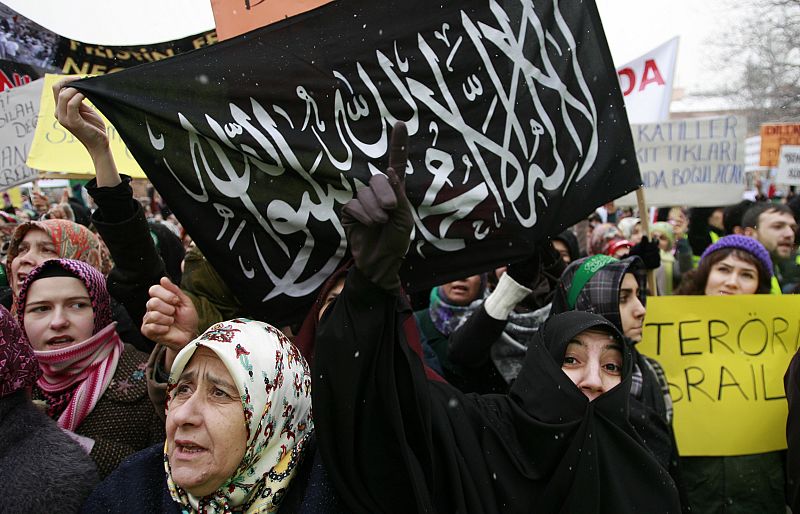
column 516, row 122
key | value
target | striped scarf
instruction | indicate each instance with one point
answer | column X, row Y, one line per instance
column 81, row 373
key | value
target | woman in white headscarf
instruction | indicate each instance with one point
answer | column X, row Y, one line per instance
column 238, row 428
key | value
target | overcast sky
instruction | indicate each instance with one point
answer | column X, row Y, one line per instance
column 632, row 26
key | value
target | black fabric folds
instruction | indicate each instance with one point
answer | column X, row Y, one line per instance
column 516, row 125
column 394, row 442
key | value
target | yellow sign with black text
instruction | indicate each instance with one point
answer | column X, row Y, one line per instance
column 725, row 358
column 54, row 149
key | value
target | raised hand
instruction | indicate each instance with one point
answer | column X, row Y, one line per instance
column 81, row 120
column 171, row 318
column 88, row 127
column 378, row 220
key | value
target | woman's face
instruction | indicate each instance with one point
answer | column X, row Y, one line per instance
column 663, row 240
column 462, row 292
column 732, row 275
column 206, row 431
column 631, row 309
column 35, row 248
column 563, row 252
column 593, row 361
column 330, row 297
column 636, row 234
column 58, row 313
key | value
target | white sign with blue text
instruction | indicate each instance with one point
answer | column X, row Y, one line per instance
column 698, row 162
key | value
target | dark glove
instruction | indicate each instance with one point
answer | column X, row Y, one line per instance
column 526, row 271
column 649, row 252
column 378, row 220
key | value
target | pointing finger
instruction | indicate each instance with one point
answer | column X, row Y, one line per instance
column 398, row 150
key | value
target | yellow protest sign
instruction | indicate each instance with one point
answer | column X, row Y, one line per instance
column 725, row 358
column 54, row 149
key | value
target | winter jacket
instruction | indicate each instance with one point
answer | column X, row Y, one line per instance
column 124, row 420
column 41, row 468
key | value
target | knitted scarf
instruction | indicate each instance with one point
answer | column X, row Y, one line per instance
column 508, row 352
column 74, row 378
column 446, row 317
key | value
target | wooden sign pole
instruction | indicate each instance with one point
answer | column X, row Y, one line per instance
column 644, row 216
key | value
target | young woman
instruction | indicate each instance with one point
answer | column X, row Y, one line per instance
column 41, row 468
column 615, row 289
column 92, row 383
column 393, row 441
column 733, row 265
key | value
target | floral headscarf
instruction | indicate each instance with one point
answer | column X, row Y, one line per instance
column 18, row 365
column 72, row 241
column 274, row 383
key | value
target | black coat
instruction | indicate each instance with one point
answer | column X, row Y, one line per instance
column 140, row 485
column 392, row 441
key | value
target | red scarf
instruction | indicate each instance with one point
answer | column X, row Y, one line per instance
column 79, row 373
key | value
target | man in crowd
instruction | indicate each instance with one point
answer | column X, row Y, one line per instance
column 773, row 225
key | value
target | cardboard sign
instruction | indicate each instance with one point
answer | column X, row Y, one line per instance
column 19, row 108
column 55, row 149
column 775, row 135
column 789, row 166
column 697, row 162
column 234, row 17
column 725, row 358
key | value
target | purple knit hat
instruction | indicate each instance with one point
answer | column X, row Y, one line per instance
column 747, row 244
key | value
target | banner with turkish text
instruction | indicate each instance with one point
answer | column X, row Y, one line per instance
column 697, row 162
column 514, row 114
column 14, row 74
column 19, row 108
column 725, row 357
column 54, row 149
column 235, row 17
column 25, row 42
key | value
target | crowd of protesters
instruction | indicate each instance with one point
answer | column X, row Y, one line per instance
column 131, row 379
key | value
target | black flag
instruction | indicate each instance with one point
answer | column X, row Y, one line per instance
column 516, row 122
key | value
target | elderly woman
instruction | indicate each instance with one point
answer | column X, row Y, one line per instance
column 239, row 433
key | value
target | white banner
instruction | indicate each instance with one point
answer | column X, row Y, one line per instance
column 646, row 83
column 697, row 162
column 789, row 166
column 19, row 108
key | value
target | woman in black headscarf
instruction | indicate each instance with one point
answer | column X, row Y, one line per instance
column 393, row 441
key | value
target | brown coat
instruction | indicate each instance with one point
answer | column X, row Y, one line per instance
column 124, row 420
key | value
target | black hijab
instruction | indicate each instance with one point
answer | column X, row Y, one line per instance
column 600, row 294
column 393, row 441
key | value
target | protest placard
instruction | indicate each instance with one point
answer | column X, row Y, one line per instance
column 646, row 83
column 234, row 17
column 725, row 358
column 789, row 166
column 55, row 149
column 19, row 108
column 697, row 162
column 775, row 135
column 14, row 74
